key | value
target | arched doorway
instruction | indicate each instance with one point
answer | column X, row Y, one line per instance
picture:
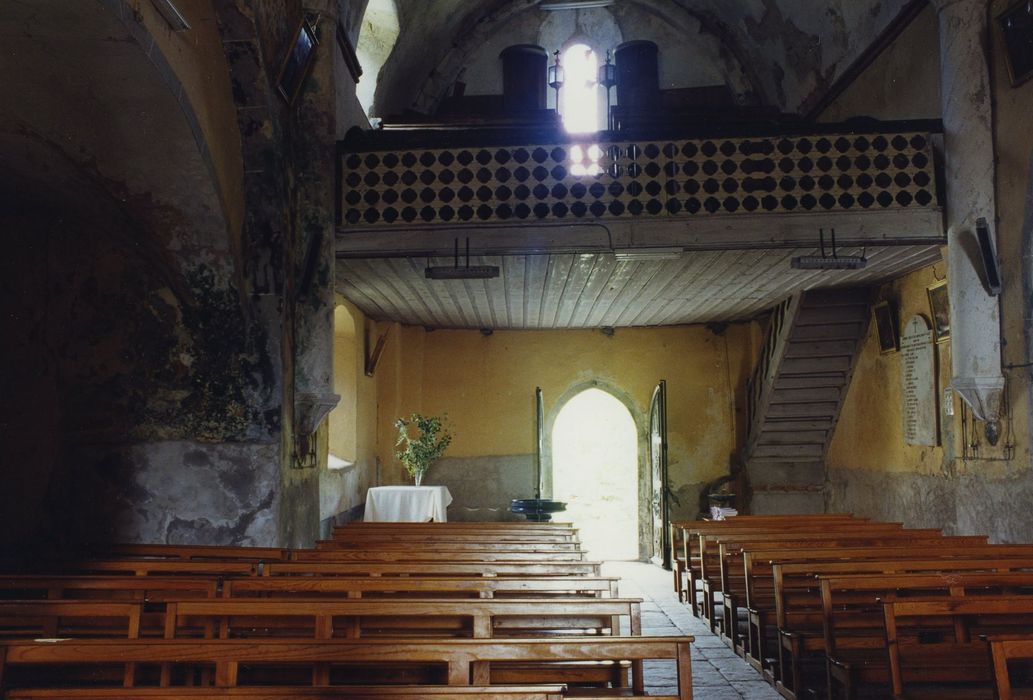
column 595, row 470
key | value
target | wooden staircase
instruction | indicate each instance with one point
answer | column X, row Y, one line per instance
column 798, row 387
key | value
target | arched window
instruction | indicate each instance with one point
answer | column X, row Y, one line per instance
column 376, row 40
column 579, row 101
column 343, row 425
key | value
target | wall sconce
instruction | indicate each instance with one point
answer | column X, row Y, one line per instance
column 556, row 77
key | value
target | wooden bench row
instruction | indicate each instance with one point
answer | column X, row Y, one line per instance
column 317, row 618
column 158, row 588
column 455, row 662
column 457, row 616
column 785, row 595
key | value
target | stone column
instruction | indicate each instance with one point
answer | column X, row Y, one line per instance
column 967, row 120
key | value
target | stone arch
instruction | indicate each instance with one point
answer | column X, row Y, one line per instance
column 641, row 419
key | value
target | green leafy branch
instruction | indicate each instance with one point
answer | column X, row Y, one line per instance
column 433, row 438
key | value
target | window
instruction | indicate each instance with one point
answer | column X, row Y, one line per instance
column 579, row 101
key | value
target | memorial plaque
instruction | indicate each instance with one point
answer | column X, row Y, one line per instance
column 917, row 372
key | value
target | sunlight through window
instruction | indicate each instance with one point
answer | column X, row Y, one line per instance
column 595, row 472
column 584, row 160
column 579, row 104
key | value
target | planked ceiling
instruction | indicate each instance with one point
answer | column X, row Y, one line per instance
column 594, row 290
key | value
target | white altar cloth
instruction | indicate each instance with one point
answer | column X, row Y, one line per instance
column 407, row 504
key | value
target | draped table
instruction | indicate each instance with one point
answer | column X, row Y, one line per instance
column 409, row 504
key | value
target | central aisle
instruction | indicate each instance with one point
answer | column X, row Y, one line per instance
column 717, row 673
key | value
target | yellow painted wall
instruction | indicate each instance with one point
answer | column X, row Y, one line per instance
column 870, row 433
column 870, row 466
column 352, row 425
column 486, row 386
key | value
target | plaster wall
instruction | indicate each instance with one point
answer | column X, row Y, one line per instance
column 956, row 486
column 902, row 83
column 352, row 424
column 486, row 386
column 196, row 61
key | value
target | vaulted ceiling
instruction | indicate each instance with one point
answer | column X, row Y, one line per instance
column 791, row 49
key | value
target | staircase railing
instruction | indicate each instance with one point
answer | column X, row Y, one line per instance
column 775, row 341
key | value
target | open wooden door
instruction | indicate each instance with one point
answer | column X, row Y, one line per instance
column 658, row 462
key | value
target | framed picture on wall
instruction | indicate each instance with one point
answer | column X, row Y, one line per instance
column 940, row 310
column 1016, row 24
column 886, row 325
column 297, row 62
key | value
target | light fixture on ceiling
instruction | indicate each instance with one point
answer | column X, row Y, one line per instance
column 574, row 4
column 171, row 14
column 640, row 254
column 828, row 262
column 467, row 272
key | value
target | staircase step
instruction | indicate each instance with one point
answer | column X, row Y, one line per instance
column 821, row 315
column 796, row 437
column 827, row 348
column 800, row 410
column 788, row 452
column 794, row 425
column 837, row 296
column 823, row 365
column 823, row 394
column 832, row 331
column 815, row 381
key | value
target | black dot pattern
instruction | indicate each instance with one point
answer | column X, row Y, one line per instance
column 717, row 177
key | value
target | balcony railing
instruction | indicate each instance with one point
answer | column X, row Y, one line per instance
column 627, row 180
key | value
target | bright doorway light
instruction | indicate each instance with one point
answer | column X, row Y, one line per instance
column 595, row 472
column 579, row 103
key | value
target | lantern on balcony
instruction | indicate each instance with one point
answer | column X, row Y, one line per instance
column 556, row 77
column 608, row 78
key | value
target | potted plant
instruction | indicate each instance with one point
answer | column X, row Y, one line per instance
column 432, row 439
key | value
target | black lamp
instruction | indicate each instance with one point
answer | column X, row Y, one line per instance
column 608, row 78
column 556, row 77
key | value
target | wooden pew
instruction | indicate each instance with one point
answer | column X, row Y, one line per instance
column 152, row 588
column 709, row 548
column 443, row 545
column 419, row 552
column 682, row 535
column 192, row 551
column 953, row 657
column 154, row 567
column 191, row 567
column 362, row 617
column 798, row 604
column 733, row 575
column 853, row 622
column 701, row 545
column 496, row 531
column 1005, row 648
column 550, row 692
column 467, row 661
column 412, row 586
column 747, row 582
column 432, row 568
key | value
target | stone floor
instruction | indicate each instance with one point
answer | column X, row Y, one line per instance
column 717, row 673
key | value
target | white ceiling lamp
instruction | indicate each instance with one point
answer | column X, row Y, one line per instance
column 575, row 4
